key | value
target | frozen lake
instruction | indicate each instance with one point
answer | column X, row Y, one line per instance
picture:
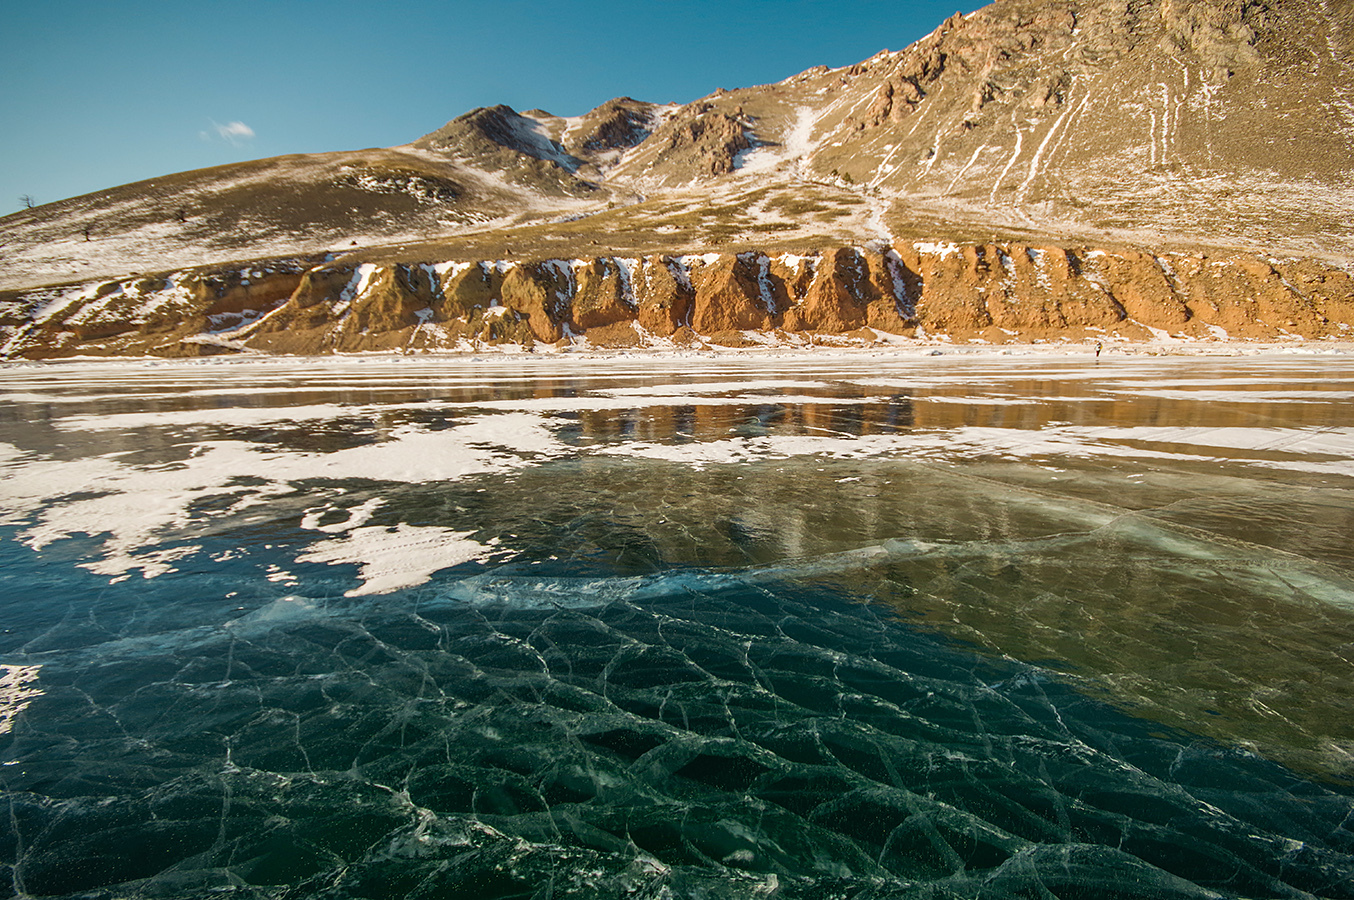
column 851, row 626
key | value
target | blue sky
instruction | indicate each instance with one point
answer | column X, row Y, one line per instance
column 96, row 94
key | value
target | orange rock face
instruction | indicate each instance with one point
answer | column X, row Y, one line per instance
column 538, row 293
column 663, row 294
column 974, row 292
column 602, row 294
column 728, row 297
column 837, row 299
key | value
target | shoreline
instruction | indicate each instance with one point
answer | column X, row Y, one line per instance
column 909, row 350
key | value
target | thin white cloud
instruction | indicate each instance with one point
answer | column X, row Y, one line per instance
column 232, row 132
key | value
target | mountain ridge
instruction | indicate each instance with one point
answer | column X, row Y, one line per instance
column 1215, row 127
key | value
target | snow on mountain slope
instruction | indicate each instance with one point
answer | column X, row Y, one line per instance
column 1198, row 126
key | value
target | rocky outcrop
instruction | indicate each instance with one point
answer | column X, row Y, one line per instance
column 729, row 296
column 603, row 294
column 702, row 141
column 168, row 314
column 664, row 295
column 843, row 293
column 491, row 130
column 498, row 138
column 988, row 293
column 616, row 125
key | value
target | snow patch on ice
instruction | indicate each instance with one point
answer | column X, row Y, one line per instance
column 1242, row 396
column 135, row 508
column 358, row 515
column 16, row 692
column 227, row 416
column 714, row 387
column 1012, row 443
column 152, row 563
column 390, row 558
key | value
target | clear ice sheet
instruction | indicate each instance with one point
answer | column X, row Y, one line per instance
column 974, row 673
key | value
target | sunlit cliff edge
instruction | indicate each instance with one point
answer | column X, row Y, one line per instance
column 1058, row 170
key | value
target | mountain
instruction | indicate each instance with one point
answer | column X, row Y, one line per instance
column 1033, row 170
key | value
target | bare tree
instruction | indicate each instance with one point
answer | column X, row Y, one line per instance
column 27, row 201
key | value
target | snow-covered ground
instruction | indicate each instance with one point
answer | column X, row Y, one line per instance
column 224, row 425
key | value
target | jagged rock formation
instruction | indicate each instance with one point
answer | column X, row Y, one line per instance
column 988, row 293
column 1152, row 129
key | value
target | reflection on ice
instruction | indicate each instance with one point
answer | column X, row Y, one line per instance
column 977, row 628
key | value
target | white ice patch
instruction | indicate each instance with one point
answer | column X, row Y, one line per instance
column 152, row 563
column 358, row 515
column 16, row 692
column 714, row 387
column 278, row 575
column 399, row 557
column 135, row 508
column 1334, row 449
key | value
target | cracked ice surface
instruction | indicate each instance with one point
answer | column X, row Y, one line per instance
column 728, row 628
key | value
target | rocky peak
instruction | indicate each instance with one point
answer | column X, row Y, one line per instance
column 618, row 124
column 1221, row 35
column 699, row 141
column 496, row 128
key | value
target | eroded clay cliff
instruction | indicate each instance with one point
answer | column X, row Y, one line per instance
column 989, row 293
